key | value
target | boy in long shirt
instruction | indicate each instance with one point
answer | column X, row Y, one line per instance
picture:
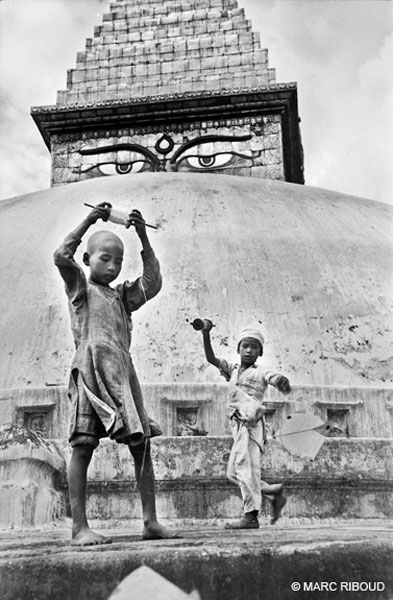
column 104, row 388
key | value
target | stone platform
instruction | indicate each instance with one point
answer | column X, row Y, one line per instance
column 262, row 564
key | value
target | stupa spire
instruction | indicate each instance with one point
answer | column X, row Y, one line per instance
column 150, row 47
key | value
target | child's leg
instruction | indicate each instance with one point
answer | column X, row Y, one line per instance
column 270, row 488
column 244, row 468
column 275, row 494
column 144, row 474
column 248, row 521
column 82, row 535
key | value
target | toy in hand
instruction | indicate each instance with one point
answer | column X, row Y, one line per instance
column 119, row 216
column 202, row 324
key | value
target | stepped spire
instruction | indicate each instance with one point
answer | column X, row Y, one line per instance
column 173, row 85
column 149, row 48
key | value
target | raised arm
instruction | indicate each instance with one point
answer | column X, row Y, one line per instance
column 209, row 352
column 147, row 286
column 63, row 257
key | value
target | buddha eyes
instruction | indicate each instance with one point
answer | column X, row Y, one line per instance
column 207, row 154
column 124, row 168
column 207, row 161
column 212, row 161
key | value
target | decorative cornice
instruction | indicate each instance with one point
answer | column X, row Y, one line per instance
column 163, row 98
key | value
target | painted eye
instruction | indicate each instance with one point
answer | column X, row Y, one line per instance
column 125, row 168
column 208, row 161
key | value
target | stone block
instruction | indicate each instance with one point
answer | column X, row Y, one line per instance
column 180, row 66
column 167, row 67
column 119, row 13
column 122, row 38
column 120, row 26
column 153, row 69
column 147, row 35
column 206, row 41
column 192, row 44
column 272, row 75
column 252, row 80
column 109, row 38
column 195, row 64
column 125, row 72
column 174, row 32
column 30, row 470
column 78, row 76
column 160, row 34
column 140, row 70
column 103, row 73
column 107, row 27
column 235, row 60
column 226, row 26
column 61, row 97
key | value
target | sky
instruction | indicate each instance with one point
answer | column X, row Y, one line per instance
column 340, row 53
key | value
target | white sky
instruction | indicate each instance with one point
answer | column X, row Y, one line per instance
column 340, row 52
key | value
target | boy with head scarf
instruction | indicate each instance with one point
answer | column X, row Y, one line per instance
column 248, row 382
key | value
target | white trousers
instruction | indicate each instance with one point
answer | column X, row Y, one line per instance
column 244, row 464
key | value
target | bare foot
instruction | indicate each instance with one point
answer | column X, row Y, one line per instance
column 155, row 531
column 244, row 523
column 278, row 503
column 87, row 537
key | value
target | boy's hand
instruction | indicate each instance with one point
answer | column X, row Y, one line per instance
column 101, row 211
column 135, row 218
column 207, row 325
column 283, row 385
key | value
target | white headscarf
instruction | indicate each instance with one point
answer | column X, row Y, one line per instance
column 251, row 332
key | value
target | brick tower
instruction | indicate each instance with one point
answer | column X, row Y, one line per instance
column 173, row 85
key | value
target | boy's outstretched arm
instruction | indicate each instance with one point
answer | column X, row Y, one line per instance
column 209, row 352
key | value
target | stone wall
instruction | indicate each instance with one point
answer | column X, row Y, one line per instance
column 200, row 409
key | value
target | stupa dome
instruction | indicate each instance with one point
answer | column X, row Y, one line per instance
column 311, row 266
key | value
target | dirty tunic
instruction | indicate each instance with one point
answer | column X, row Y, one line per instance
column 102, row 373
column 248, row 429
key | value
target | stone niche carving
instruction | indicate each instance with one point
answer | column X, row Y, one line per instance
column 187, row 417
column 38, row 419
column 338, row 421
column 188, row 422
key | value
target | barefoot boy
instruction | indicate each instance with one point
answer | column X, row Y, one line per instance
column 104, row 388
column 248, row 383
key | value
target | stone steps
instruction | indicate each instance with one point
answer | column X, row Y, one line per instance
column 221, row 565
column 349, row 478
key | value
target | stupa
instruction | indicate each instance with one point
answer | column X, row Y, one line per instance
column 173, row 108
